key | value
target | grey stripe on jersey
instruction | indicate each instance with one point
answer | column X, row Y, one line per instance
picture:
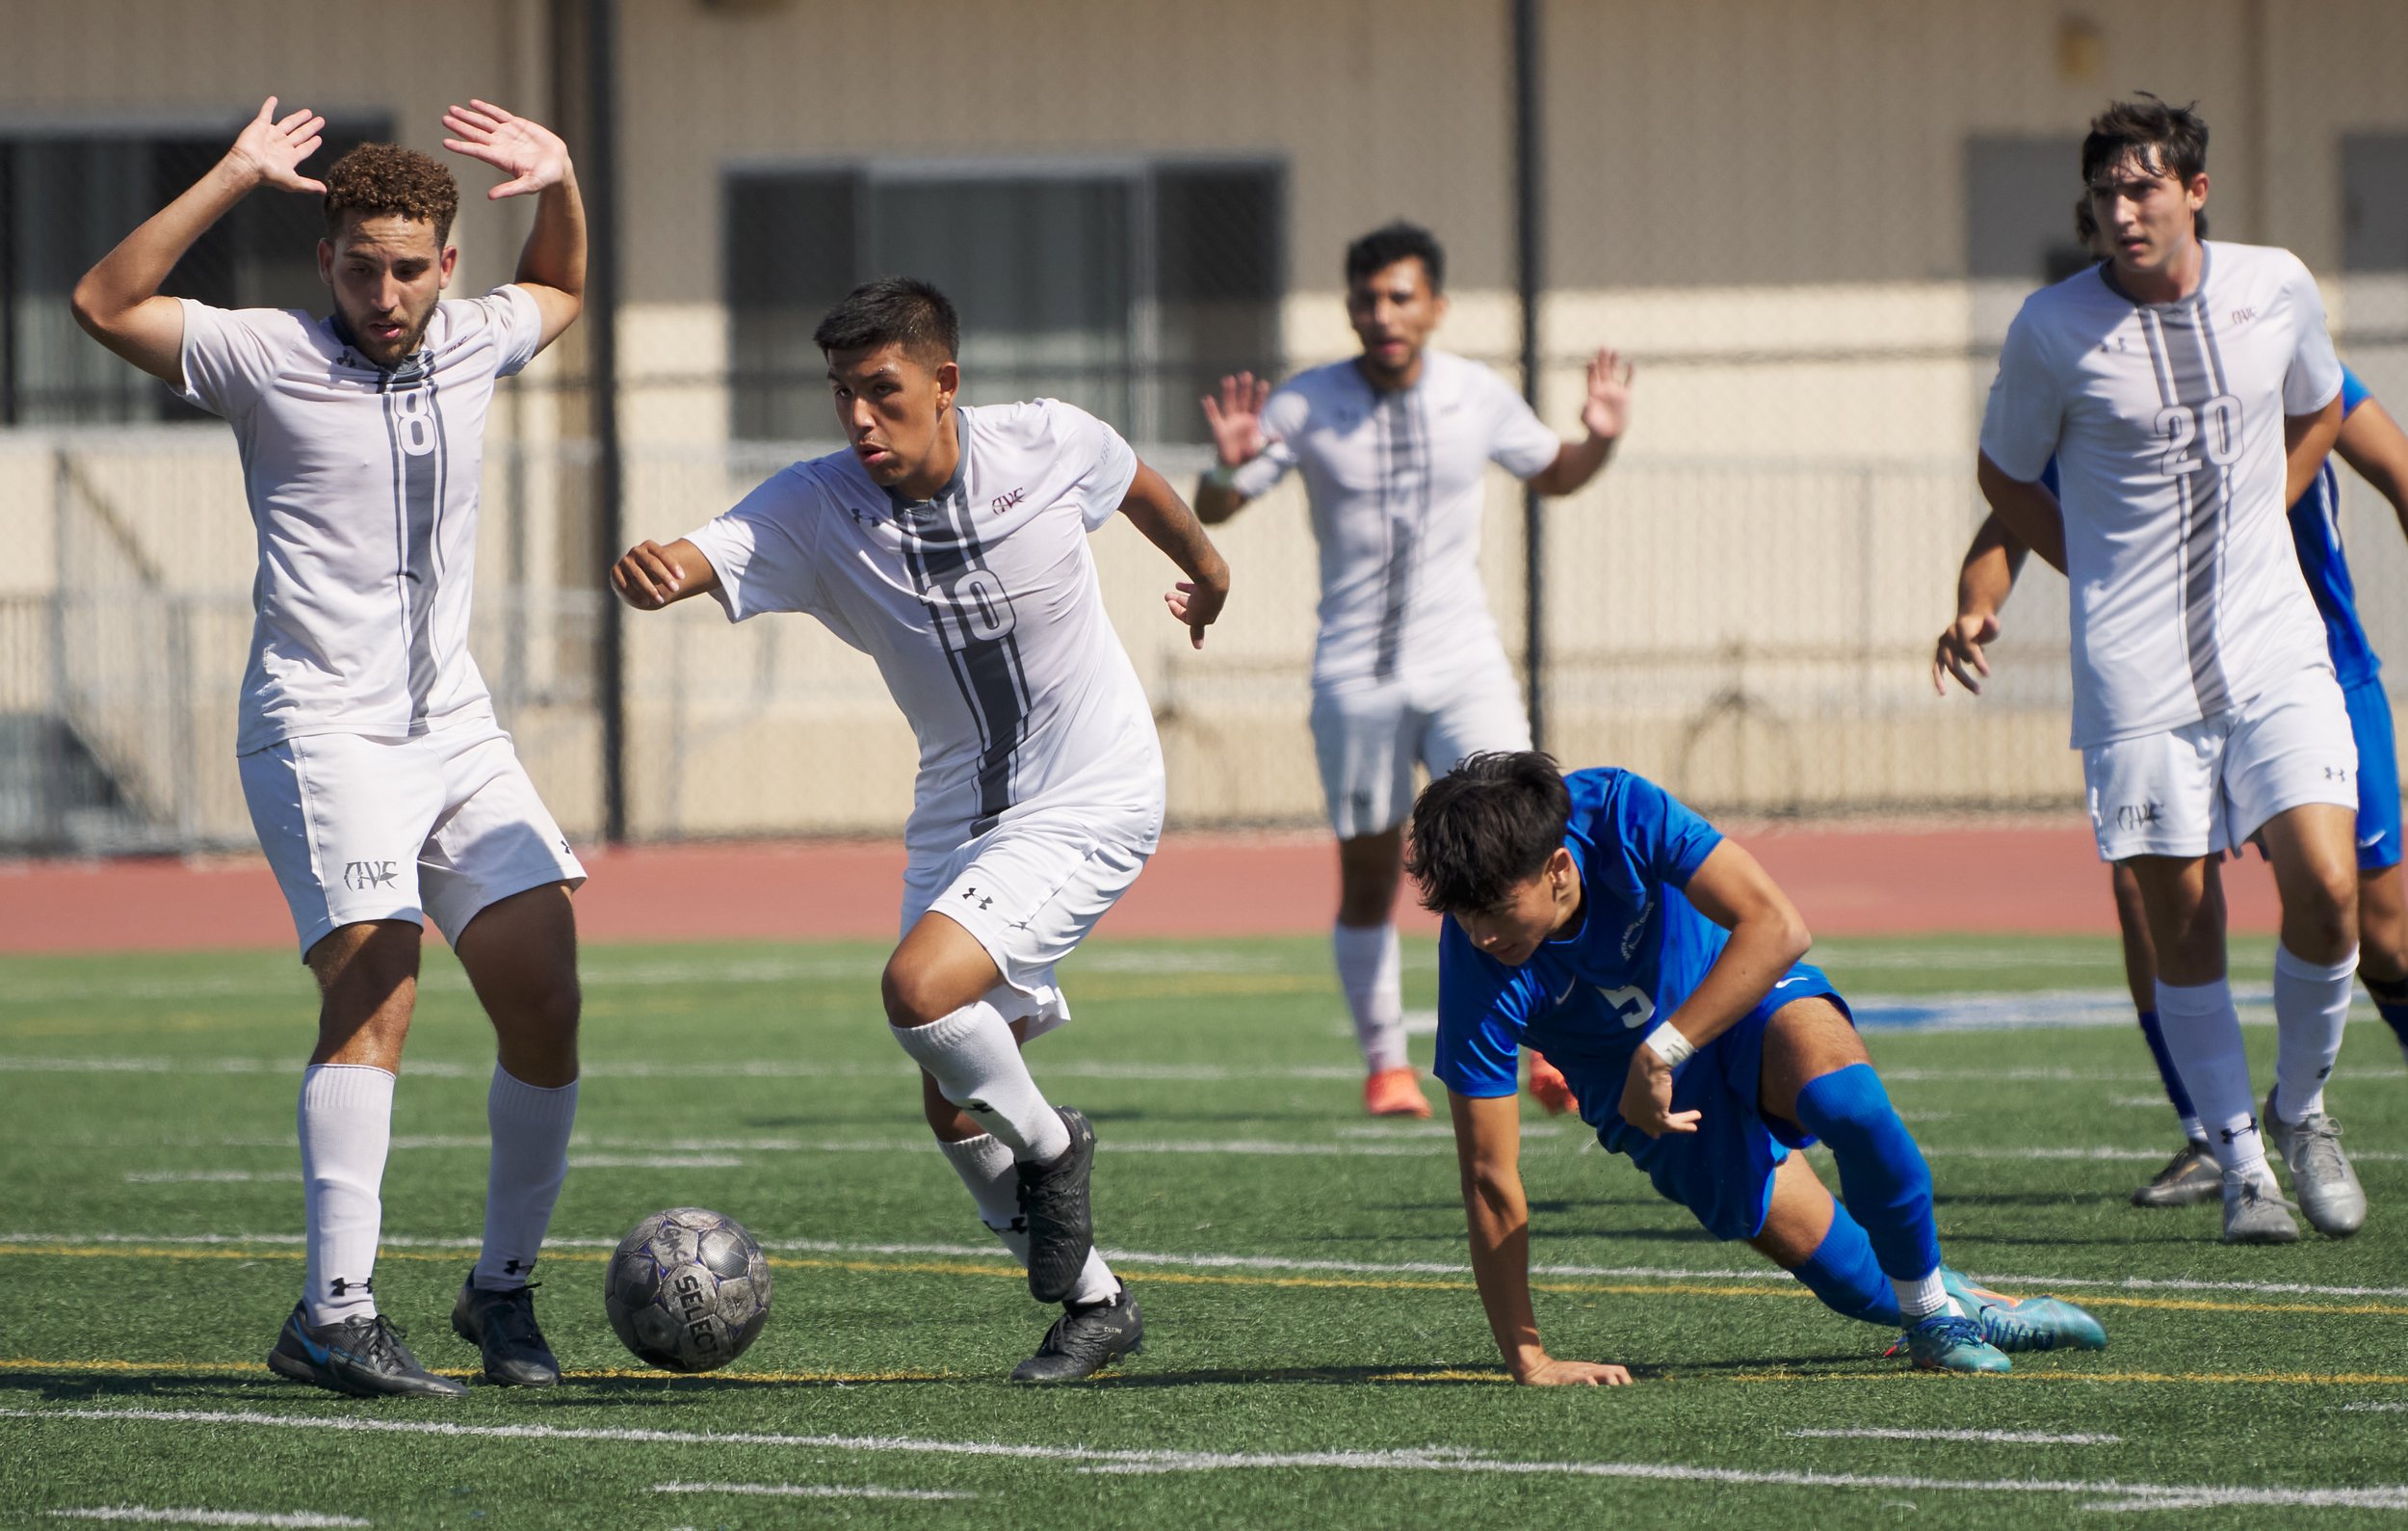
column 2189, row 383
column 1404, row 507
column 415, row 427
column 974, row 620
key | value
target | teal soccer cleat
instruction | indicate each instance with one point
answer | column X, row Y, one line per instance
column 1946, row 1342
column 2033, row 1323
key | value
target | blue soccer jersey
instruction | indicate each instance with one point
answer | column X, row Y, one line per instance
column 2315, row 531
column 1586, row 1000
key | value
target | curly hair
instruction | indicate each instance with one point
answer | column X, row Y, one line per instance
column 380, row 179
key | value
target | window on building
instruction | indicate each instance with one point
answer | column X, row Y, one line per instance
column 66, row 198
column 2374, row 201
column 2019, row 209
column 1125, row 290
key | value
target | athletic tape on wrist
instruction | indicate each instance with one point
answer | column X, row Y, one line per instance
column 1222, row 476
column 1670, row 1045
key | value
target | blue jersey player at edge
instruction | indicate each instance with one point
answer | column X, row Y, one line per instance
column 1598, row 919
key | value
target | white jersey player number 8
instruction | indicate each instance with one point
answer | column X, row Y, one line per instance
column 2214, row 427
column 416, row 425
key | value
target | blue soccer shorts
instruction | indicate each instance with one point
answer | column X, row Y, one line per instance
column 2378, row 775
column 1722, row 1173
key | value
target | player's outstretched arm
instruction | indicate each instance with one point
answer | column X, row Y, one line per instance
column 552, row 265
column 648, row 576
column 118, row 301
column 1236, row 419
column 2372, row 443
column 1488, row 1149
column 1606, row 412
column 2028, row 511
column 1731, row 888
column 2308, row 439
column 1984, row 581
column 1157, row 511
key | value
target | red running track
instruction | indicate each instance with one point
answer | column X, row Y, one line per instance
column 2042, row 878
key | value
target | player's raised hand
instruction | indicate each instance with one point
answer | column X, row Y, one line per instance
column 272, row 147
column 1605, row 411
column 1958, row 653
column 1196, row 604
column 646, row 577
column 1553, row 1373
column 526, row 151
column 1237, row 417
column 1647, row 1098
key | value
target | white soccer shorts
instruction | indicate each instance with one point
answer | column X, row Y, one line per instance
column 1031, row 889
column 2209, row 786
column 1368, row 737
column 435, row 827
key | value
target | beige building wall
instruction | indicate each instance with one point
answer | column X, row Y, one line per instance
column 1762, row 199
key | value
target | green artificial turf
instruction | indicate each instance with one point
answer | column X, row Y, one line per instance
column 1306, row 1314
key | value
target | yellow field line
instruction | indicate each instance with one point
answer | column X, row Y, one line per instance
column 1160, row 1277
column 236, row 1368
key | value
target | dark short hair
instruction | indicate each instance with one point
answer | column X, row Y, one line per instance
column 1383, row 247
column 1487, row 828
column 2166, row 139
column 376, row 180
column 894, row 312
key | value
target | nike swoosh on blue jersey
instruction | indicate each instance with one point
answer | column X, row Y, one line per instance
column 1787, row 982
column 1567, row 991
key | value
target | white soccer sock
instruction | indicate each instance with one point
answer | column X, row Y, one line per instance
column 986, row 1170
column 2203, row 1034
column 2310, row 1012
column 530, row 1126
column 976, row 1063
column 1371, row 972
column 1919, row 1300
column 346, row 1127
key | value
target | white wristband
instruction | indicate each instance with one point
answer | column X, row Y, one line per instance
column 1222, row 476
column 1669, row 1044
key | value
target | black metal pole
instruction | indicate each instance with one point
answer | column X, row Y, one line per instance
column 1529, row 235
column 599, row 180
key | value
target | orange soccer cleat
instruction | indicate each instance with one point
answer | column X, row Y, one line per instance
column 1394, row 1092
column 1549, row 1088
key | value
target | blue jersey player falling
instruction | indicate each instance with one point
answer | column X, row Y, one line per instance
column 1596, row 918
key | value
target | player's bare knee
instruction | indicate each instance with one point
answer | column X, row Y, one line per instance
column 911, row 996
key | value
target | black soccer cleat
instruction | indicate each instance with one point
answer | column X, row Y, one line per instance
column 1086, row 1339
column 363, row 1357
column 503, row 1326
column 1053, row 1199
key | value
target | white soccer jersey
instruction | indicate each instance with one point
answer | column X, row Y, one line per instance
column 363, row 497
column 1395, row 482
column 2166, row 423
column 980, row 606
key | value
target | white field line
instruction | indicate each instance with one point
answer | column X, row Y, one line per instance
column 1422, row 1459
column 1210, row 1261
column 266, row 1518
column 812, row 1490
column 1057, row 1069
column 2008, row 1437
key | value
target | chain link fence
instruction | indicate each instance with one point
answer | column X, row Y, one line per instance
column 1740, row 606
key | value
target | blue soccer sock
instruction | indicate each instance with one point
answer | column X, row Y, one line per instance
column 1883, row 1175
column 2175, row 1094
column 2391, row 1002
column 1843, row 1272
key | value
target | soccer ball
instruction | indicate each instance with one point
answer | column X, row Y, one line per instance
column 687, row 1290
